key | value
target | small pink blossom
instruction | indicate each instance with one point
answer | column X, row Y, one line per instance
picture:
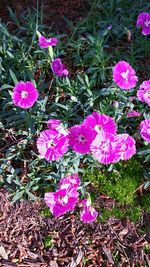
column 115, row 104
column 24, row 95
column 143, row 93
column 124, row 75
column 58, row 68
column 52, row 145
column 143, row 21
column 128, row 148
column 106, row 148
column 145, row 129
column 80, row 138
column 45, row 43
column 69, row 180
column 61, row 201
column 100, row 123
column 131, row 98
column 88, row 214
column 133, row 113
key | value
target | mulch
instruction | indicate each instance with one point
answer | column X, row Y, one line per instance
column 55, row 11
column 113, row 242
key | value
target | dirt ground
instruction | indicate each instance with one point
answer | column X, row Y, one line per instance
column 54, row 10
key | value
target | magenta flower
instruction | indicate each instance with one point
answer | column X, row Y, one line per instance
column 145, row 129
column 143, row 21
column 53, row 124
column 106, row 148
column 52, row 145
column 100, row 123
column 143, row 93
column 133, row 113
column 24, row 94
column 61, row 201
column 58, row 68
column 124, row 75
column 128, row 148
column 88, row 214
column 45, row 43
column 69, row 180
column 80, row 138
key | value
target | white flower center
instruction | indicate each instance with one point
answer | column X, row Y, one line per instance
column 63, row 200
column 147, row 94
column 48, row 40
column 98, row 129
column 147, row 23
column 50, row 143
column 124, row 147
column 148, row 130
column 24, row 94
column 105, row 147
column 81, row 139
column 125, row 75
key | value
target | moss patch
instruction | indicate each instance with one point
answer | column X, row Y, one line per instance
column 121, row 184
column 133, row 213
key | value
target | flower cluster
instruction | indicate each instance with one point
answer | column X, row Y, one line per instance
column 96, row 135
column 66, row 198
column 57, row 67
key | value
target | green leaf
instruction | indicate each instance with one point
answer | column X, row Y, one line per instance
column 13, row 76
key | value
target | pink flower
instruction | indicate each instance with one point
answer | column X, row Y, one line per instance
column 131, row 98
column 143, row 93
column 69, row 180
column 61, row 201
column 133, row 113
column 100, row 123
column 145, row 129
column 106, row 148
column 128, row 148
column 124, row 75
column 80, row 138
column 44, row 43
column 58, row 68
column 52, row 145
column 88, row 214
column 143, row 21
column 24, row 94
column 53, row 124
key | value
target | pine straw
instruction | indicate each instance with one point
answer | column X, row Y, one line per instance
column 23, row 230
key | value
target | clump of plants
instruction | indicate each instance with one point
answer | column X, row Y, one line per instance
column 62, row 126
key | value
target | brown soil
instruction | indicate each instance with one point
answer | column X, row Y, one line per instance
column 54, row 11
